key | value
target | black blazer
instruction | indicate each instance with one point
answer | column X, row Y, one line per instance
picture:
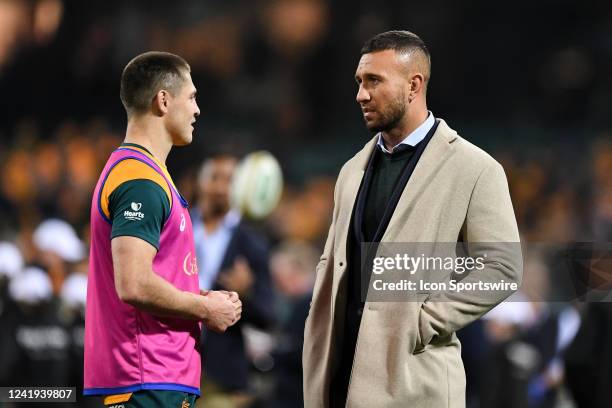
column 224, row 359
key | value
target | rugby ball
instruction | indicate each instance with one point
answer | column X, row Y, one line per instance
column 257, row 185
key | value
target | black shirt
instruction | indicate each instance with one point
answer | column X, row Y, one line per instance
column 387, row 168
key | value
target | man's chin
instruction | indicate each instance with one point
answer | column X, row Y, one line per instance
column 183, row 141
column 374, row 127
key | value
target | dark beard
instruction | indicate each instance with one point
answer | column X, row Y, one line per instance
column 219, row 209
column 215, row 210
column 390, row 117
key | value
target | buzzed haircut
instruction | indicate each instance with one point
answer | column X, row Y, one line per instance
column 402, row 42
column 145, row 75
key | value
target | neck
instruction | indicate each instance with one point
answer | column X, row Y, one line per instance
column 149, row 132
column 211, row 224
column 406, row 126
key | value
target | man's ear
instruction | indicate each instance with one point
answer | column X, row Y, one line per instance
column 161, row 100
column 418, row 80
column 416, row 85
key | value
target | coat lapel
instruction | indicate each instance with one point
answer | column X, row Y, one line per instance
column 348, row 193
column 437, row 152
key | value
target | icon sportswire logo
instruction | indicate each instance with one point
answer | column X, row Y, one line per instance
column 135, row 214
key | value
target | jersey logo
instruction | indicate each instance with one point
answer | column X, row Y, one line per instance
column 190, row 265
column 134, row 215
column 182, row 226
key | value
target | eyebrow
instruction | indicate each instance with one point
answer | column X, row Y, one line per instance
column 368, row 75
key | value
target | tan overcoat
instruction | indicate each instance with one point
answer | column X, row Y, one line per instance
column 407, row 353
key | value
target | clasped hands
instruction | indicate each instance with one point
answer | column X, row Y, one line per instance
column 223, row 309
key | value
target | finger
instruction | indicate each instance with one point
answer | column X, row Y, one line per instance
column 234, row 296
column 228, row 294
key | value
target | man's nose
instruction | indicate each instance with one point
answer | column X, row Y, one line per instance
column 362, row 95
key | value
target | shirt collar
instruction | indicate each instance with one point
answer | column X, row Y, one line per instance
column 136, row 145
column 230, row 220
column 413, row 138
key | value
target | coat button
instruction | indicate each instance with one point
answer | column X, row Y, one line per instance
column 341, row 264
column 360, row 311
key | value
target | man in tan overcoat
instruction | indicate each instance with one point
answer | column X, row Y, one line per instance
column 415, row 181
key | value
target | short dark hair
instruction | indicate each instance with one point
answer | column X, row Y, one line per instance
column 145, row 75
column 398, row 40
column 401, row 41
column 221, row 153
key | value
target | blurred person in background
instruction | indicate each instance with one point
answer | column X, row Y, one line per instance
column 36, row 343
column 73, row 296
column 11, row 265
column 292, row 265
column 58, row 249
column 456, row 192
column 526, row 338
column 144, row 306
column 231, row 257
column 588, row 360
column 38, row 339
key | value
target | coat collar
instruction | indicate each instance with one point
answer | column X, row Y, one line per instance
column 434, row 154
